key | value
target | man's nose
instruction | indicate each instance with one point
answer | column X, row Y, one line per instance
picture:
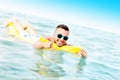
column 61, row 40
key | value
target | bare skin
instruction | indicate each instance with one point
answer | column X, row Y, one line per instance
column 59, row 42
column 21, row 28
column 53, row 39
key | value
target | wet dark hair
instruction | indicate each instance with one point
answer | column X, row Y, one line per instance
column 63, row 27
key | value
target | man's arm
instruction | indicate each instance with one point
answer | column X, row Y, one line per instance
column 82, row 53
column 40, row 45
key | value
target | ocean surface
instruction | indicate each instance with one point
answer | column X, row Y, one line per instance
column 20, row 61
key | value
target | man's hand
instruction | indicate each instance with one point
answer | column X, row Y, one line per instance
column 47, row 45
column 82, row 53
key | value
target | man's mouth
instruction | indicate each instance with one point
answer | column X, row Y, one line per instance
column 60, row 43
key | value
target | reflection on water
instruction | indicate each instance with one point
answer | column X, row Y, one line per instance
column 50, row 56
column 50, row 70
column 51, row 63
column 81, row 64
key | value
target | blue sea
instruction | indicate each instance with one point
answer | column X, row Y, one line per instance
column 20, row 61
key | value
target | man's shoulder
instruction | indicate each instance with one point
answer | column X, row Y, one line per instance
column 49, row 38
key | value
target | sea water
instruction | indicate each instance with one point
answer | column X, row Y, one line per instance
column 20, row 61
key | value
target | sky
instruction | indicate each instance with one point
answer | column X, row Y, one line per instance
column 101, row 14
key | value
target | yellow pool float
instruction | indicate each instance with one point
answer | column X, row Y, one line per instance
column 14, row 32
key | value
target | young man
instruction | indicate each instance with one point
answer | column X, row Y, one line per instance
column 60, row 37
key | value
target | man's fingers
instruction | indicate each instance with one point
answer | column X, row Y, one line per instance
column 51, row 43
column 48, row 45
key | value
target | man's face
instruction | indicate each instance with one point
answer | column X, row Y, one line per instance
column 60, row 36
